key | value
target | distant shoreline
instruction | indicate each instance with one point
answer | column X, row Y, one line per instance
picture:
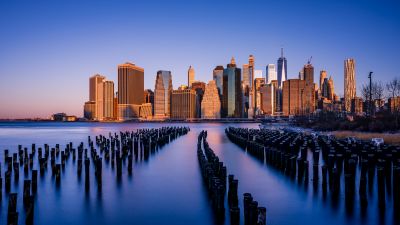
column 135, row 121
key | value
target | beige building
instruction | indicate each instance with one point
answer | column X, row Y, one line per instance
column 183, row 104
column 108, row 88
column 190, row 76
column 130, row 90
column 258, row 83
column 211, row 104
column 162, row 94
column 96, row 95
column 349, row 83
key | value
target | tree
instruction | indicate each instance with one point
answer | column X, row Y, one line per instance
column 393, row 89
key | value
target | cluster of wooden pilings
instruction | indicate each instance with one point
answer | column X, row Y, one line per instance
column 214, row 175
column 116, row 148
column 288, row 151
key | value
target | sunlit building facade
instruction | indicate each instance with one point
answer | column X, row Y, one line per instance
column 96, row 95
column 271, row 73
column 130, row 90
column 183, row 104
column 190, row 76
column 349, row 83
column 108, row 88
column 211, row 104
column 162, row 94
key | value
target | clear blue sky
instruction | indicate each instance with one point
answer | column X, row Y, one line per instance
column 48, row 50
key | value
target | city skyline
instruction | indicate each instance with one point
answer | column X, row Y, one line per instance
column 67, row 50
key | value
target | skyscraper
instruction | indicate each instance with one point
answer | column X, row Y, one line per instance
column 162, row 94
column 218, row 74
column 199, row 87
column 96, row 95
column 232, row 91
column 252, row 103
column 149, row 98
column 183, row 104
column 190, row 76
column 349, row 83
column 308, row 73
column 322, row 76
column 245, row 75
column 258, row 83
column 282, row 69
column 108, row 87
column 268, row 97
column 271, row 73
column 130, row 90
column 211, row 105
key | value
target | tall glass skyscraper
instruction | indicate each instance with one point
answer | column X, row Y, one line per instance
column 218, row 74
column 271, row 73
column 162, row 94
column 282, row 69
column 232, row 91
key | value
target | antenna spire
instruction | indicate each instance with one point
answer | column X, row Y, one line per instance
column 282, row 52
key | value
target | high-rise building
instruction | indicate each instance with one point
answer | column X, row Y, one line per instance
column 130, row 90
column 328, row 90
column 356, row 105
column 322, row 76
column 252, row 103
column 108, row 87
column 162, row 94
column 190, row 76
column 349, row 83
column 89, row 110
column 246, row 75
column 308, row 73
column 258, row 83
column 218, row 74
column 149, row 98
column 298, row 97
column 199, row 87
column 96, row 95
column 232, row 91
column 271, row 73
column 258, row 74
column 282, row 70
column 268, row 97
column 183, row 104
column 211, row 104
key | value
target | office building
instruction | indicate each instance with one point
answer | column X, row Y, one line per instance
column 211, row 104
column 282, row 69
column 149, row 98
column 183, row 104
column 108, row 88
column 190, row 76
column 271, row 73
column 130, row 90
column 96, row 95
column 218, row 74
column 199, row 87
column 162, row 94
column 232, row 91
column 349, row 83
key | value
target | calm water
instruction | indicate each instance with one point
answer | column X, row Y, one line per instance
column 168, row 188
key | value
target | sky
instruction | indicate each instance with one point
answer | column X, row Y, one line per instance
column 49, row 49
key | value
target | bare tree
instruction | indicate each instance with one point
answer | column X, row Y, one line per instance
column 393, row 89
column 377, row 91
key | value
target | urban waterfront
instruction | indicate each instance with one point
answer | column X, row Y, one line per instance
column 168, row 187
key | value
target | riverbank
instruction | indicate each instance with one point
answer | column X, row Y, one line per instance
column 389, row 138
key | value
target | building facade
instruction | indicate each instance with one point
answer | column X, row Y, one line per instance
column 268, row 98
column 183, row 104
column 282, row 70
column 232, row 91
column 271, row 73
column 218, row 74
column 349, row 83
column 190, row 76
column 162, row 94
column 149, row 98
column 108, row 87
column 130, row 90
column 96, row 95
column 258, row 83
column 199, row 87
column 211, row 104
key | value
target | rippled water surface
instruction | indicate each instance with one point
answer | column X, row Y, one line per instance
column 167, row 188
